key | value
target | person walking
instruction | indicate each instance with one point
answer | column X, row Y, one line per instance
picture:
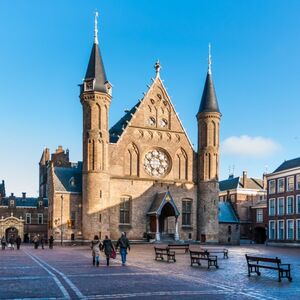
column 42, row 242
column 18, row 242
column 51, row 240
column 3, row 242
column 36, row 241
column 108, row 249
column 123, row 243
column 95, row 246
column 12, row 242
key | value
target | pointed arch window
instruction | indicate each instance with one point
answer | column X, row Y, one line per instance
column 99, row 119
column 181, row 165
column 132, row 160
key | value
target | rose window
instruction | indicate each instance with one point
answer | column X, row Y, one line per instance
column 156, row 163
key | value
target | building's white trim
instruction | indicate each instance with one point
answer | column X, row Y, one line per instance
column 288, row 172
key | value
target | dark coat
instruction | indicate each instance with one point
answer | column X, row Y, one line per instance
column 123, row 242
column 18, row 240
column 108, row 247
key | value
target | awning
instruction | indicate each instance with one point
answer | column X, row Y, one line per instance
column 159, row 202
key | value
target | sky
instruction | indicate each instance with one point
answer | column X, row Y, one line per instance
column 45, row 47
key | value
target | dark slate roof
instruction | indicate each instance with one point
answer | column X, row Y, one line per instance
column 237, row 182
column 68, row 179
column 226, row 213
column 229, row 184
column 116, row 131
column 95, row 69
column 27, row 202
column 289, row 164
column 209, row 101
column 159, row 201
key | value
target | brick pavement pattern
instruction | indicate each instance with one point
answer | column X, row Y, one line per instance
column 67, row 273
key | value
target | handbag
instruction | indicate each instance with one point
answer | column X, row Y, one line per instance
column 113, row 254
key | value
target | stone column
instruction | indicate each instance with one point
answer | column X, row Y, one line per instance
column 176, row 230
column 157, row 235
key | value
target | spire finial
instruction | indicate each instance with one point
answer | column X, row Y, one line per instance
column 209, row 59
column 96, row 28
column 157, row 68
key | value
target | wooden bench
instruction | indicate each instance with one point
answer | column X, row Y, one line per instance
column 161, row 252
column 197, row 256
column 185, row 247
column 255, row 263
column 224, row 251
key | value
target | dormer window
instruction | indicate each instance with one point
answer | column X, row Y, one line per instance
column 89, row 85
column 72, row 182
column 108, row 86
column 40, row 203
column 12, row 203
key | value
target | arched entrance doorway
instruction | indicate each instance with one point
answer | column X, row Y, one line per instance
column 11, row 232
column 12, row 226
column 164, row 215
column 167, row 222
column 260, row 235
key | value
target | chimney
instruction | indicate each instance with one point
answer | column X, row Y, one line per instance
column 244, row 178
column 23, row 195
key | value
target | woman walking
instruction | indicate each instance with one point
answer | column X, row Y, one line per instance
column 108, row 249
column 96, row 250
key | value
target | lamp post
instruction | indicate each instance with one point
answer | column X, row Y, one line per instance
column 61, row 219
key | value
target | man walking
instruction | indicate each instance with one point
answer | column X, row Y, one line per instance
column 123, row 242
column 18, row 242
column 3, row 242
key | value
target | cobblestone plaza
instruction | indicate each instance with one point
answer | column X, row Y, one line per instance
column 67, row 273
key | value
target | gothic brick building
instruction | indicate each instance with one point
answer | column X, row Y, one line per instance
column 142, row 175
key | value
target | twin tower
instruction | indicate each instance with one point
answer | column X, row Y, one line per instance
column 96, row 96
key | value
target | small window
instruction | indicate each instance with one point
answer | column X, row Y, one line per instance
column 289, row 205
column 271, row 207
column 163, row 123
column 40, row 219
column 12, row 202
column 72, row 220
column 229, row 229
column 298, row 182
column 272, row 230
column 125, row 210
column 40, row 204
column 298, row 204
column 151, row 121
column 259, row 215
column 280, row 204
column 186, row 212
column 271, row 186
column 290, row 184
column 28, row 218
column 280, row 185
column 289, row 229
column 72, row 182
column 280, row 234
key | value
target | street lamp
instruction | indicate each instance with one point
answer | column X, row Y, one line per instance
column 61, row 219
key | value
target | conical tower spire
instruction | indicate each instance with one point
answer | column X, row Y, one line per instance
column 209, row 101
column 95, row 73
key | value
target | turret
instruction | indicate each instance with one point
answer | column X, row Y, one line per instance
column 95, row 97
column 208, row 118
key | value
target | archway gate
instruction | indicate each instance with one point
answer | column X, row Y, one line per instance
column 12, row 222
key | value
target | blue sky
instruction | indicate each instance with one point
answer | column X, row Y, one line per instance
column 45, row 46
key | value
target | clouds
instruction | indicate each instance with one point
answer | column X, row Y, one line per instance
column 245, row 145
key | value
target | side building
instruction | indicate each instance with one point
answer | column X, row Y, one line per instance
column 284, row 204
column 245, row 193
column 23, row 216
